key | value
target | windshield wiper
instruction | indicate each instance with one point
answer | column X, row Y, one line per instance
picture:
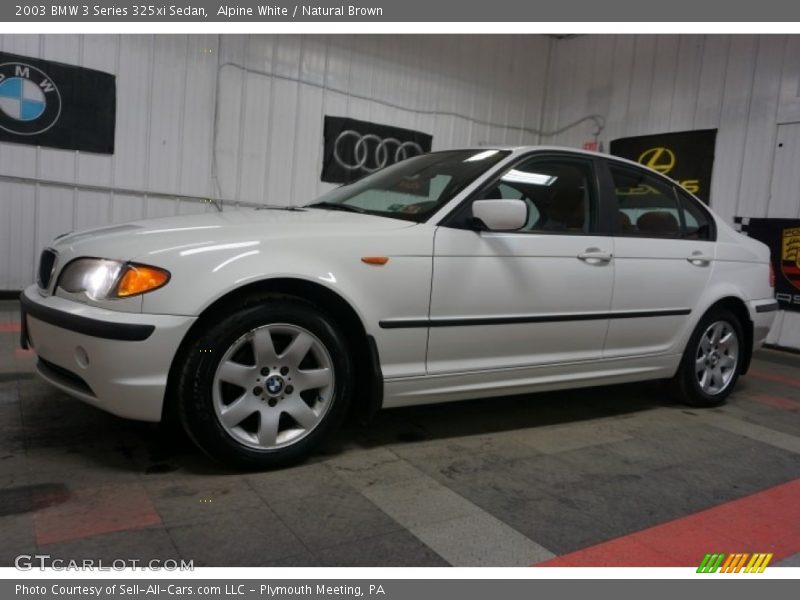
column 337, row 206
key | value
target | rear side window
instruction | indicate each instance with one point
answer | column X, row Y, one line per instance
column 649, row 206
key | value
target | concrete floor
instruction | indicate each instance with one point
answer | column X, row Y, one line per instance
column 616, row 475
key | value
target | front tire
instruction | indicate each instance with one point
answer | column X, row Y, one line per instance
column 712, row 360
column 264, row 386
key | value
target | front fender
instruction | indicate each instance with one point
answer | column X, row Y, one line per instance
column 399, row 288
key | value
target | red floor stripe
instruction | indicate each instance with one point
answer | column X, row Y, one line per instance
column 778, row 402
column 92, row 511
column 777, row 378
column 9, row 327
column 768, row 521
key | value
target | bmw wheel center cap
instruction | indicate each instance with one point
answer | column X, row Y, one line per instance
column 274, row 385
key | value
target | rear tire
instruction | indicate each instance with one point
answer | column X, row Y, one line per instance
column 264, row 386
column 712, row 360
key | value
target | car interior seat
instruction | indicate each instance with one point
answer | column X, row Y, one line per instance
column 624, row 223
column 659, row 223
column 566, row 204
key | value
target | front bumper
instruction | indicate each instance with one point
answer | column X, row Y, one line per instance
column 116, row 361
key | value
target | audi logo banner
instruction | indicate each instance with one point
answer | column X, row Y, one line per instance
column 354, row 148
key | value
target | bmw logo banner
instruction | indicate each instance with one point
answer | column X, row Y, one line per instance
column 686, row 157
column 46, row 103
column 354, row 148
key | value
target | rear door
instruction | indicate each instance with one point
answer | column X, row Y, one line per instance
column 663, row 255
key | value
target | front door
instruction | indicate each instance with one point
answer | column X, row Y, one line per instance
column 532, row 297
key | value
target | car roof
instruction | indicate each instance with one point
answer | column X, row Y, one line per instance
column 519, row 150
column 571, row 150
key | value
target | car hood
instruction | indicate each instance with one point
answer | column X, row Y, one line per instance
column 139, row 238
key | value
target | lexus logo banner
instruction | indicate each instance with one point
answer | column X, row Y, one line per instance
column 357, row 148
column 45, row 103
column 686, row 157
column 783, row 238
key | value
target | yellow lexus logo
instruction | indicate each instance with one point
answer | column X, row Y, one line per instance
column 658, row 159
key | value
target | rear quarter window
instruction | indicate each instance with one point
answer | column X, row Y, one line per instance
column 698, row 222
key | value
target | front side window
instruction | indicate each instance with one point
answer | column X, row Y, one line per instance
column 558, row 192
column 415, row 188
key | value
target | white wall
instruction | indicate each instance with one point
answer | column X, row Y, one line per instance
column 743, row 85
column 250, row 108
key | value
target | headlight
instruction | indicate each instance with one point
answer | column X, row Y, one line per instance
column 95, row 276
column 102, row 279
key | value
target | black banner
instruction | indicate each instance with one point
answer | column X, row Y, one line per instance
column 357, row 148
column 46, row 103
column 783, row 238
column 686, row 157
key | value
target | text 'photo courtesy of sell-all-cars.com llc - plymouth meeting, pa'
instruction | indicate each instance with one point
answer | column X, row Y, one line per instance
column 447, row 276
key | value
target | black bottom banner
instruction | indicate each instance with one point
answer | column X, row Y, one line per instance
column 732, row 587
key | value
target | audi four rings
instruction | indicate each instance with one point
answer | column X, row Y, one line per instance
column 387, row 151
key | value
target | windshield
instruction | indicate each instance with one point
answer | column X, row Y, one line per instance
column 414, row 188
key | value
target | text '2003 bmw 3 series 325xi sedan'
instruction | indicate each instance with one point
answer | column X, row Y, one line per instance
column 452, row 275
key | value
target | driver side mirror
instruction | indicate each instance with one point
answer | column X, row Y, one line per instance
column 501, row 215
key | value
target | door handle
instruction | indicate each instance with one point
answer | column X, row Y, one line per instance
column 699, row 259
column 595, row 256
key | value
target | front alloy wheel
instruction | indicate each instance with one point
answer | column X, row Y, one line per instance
column 263, row 386
column 273, row 386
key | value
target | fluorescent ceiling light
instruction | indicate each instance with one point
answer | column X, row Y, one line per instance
column 225, row 263
column 515, row 176
column 481, row 155
column 152, row 231
column 216, row 247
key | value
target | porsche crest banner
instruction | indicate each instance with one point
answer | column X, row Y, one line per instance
column 686, row 157
column 46, row 103
column 354, row 148
column 783, row 238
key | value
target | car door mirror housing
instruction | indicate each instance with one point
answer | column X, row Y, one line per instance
column 500, row 215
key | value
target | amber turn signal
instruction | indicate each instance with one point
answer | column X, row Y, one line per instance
column 375, row 260
column 139, row 279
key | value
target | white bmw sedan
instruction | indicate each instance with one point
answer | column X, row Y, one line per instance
column 452, row 275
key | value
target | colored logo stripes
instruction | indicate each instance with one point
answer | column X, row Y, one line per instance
column 734, row 563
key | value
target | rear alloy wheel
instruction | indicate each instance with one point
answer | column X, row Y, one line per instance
column 710, row 366
column 265, row 385
column 716, row 357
